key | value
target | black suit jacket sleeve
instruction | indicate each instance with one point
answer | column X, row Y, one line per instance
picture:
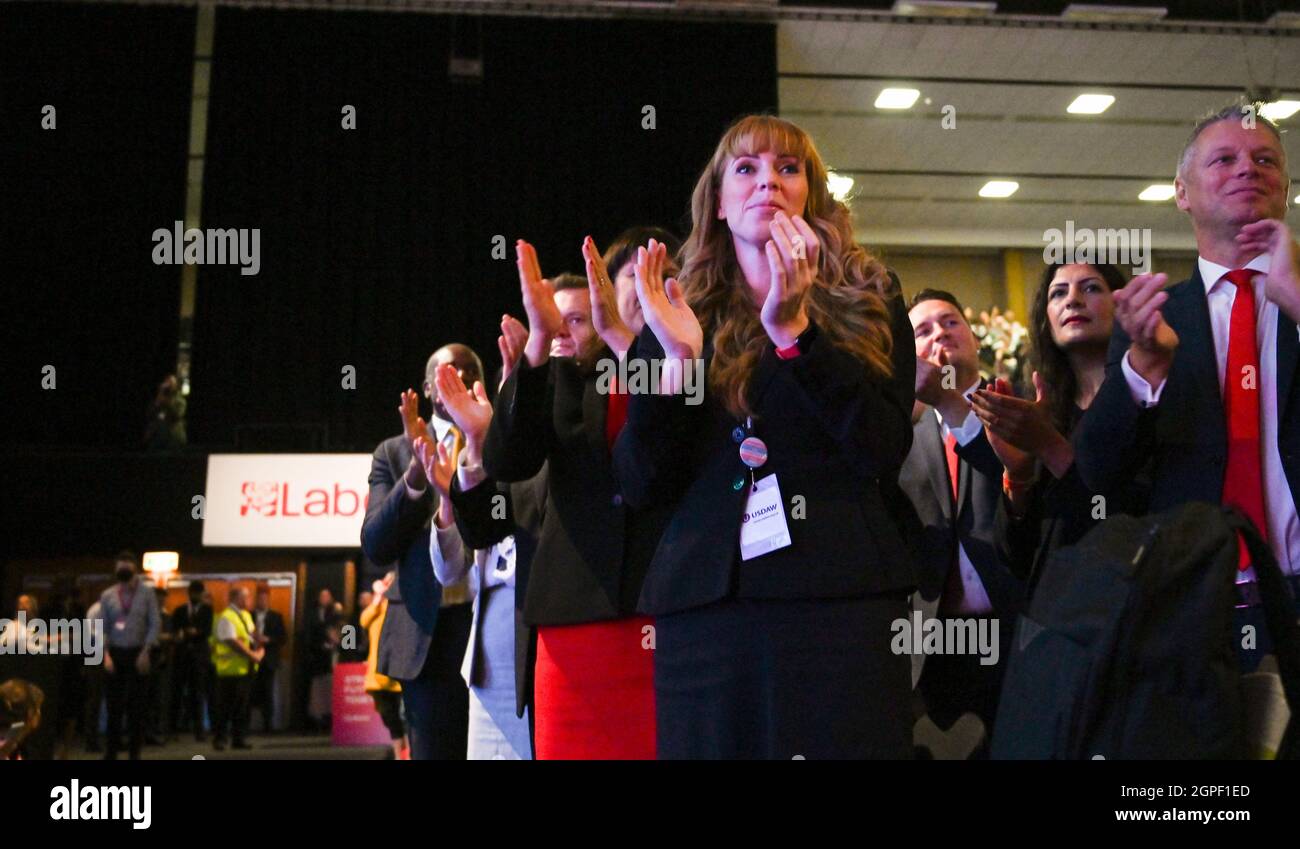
column 275, row 631
column 979, row 454
column 474, row 513
column 869, row 419
column 203, row 621
column 1115, row 438
column 1018, row 538
column 393, row 520
column 648, row 455
column 522, row 430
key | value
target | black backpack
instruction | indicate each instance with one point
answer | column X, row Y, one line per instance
column 1128, row 649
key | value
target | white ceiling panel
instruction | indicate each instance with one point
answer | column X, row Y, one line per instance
column 917, row 183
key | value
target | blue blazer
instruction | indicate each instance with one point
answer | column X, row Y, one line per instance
column 1183, row 440
column 395, row 535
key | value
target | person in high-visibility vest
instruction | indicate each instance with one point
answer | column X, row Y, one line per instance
column 235, row 661
column 386, row 692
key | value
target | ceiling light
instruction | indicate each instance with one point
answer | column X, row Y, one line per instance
column 160, row 565
column 1280, row 110
column 999, row 189
column 897, row 98
column 1157, row 192
column 944, row 8
column 1090, row 104
column 1101, row 13
column 839, row 185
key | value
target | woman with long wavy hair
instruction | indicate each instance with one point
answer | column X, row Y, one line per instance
column 777, row 582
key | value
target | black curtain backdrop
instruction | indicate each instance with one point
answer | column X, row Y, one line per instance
column 376, row 243
column 78, row 205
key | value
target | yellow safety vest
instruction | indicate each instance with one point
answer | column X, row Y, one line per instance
column 228, row 661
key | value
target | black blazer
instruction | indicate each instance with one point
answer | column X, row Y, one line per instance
column 395, row 534
column 192, row 646
column 277, row 635
column 482, row 522
column 935, row 532
column 593, row 549
column 833, row 437
column 1182, row 442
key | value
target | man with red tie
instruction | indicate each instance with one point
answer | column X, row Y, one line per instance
column 1199, row 390
column 953, row 482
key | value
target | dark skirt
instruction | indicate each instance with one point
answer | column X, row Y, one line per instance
column 783, row 679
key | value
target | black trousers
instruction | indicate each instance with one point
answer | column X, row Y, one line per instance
column 437, row 702
column 127, row 693
column 159, row 694
column 263, row 696
column 231, row 707
column 782, row 679
column 189, row 690
column 95, row 676
column 389, row 707
column 955, row 684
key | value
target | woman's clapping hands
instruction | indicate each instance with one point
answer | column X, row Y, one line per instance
column 792, row 265
column 664, row 305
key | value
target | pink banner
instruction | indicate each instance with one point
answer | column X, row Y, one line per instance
column 355, row 721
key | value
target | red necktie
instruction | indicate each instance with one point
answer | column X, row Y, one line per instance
column 1243, row 482
column 615, row 414
column 953, row 591
column 950, row 448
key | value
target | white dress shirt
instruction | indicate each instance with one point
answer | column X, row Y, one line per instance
column 1283, row 525
column 975, row 599
column 482, row 569
column 226, row 629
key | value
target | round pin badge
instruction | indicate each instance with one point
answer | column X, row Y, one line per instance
column 753, row 452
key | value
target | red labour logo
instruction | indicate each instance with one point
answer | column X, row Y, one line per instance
column 263, row 498
column 260, row 497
